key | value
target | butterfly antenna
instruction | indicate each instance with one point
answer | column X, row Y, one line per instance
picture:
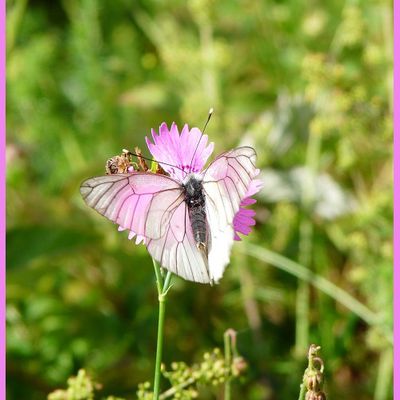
column 151, row 160
column 202, row 133
column 208, row 119
column 210, row 112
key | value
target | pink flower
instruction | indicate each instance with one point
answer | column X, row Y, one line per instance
column 189, row 153
column 186, row 151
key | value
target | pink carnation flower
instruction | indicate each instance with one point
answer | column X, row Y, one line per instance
column 187, row 153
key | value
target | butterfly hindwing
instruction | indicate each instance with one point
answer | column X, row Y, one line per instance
column 177, row 250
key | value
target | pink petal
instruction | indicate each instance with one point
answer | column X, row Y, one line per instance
column 248, row 201
column 244, row 218
column 237, row 237
column 180, row 154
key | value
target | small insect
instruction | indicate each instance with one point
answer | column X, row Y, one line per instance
column 121, row 164
column 186, row 223
column 141, row 161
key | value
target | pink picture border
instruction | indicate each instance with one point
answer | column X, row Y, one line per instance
column 2, row 197
column 396, row 171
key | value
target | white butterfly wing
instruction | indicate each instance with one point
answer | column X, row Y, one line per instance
column 140, row 202
column 220, row 244
column 152, row 206
column 225, row 184
column 177, row 250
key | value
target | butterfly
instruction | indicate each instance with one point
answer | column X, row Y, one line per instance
column 187, row 225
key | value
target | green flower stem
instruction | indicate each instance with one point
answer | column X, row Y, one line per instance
column 306, row 241
column 157, row 367
column 384, row 375
column 14, row 20
column 302, row 391
column 163, row 285
column 159, row 278
column 303, row 289
column 175, row 389
column 167, row 281
column 228, row 363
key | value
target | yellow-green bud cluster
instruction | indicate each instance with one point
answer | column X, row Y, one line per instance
column 313, row 379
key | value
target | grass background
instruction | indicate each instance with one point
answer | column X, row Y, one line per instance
column 308, row 84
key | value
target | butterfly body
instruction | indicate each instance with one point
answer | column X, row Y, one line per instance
column 196, row 203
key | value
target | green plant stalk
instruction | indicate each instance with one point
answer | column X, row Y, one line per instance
column 15, row 16
column 159, row 278
column 387, row 26
column 228, row 363
column 303, row 289
column 302, row 391
column 175, row 389
column 160, row 331
column 162, row 289
column 321, row 283
column 384, row 376
column 305, row 242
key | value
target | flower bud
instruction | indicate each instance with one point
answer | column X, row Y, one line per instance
column 239, row 365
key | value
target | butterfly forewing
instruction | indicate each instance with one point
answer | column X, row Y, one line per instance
column 227, row 180
column 141, row 202
column 225, row 184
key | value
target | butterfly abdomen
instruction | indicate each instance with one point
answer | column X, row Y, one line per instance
column 195, row 200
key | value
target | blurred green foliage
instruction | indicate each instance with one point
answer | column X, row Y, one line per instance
column 308, row 84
